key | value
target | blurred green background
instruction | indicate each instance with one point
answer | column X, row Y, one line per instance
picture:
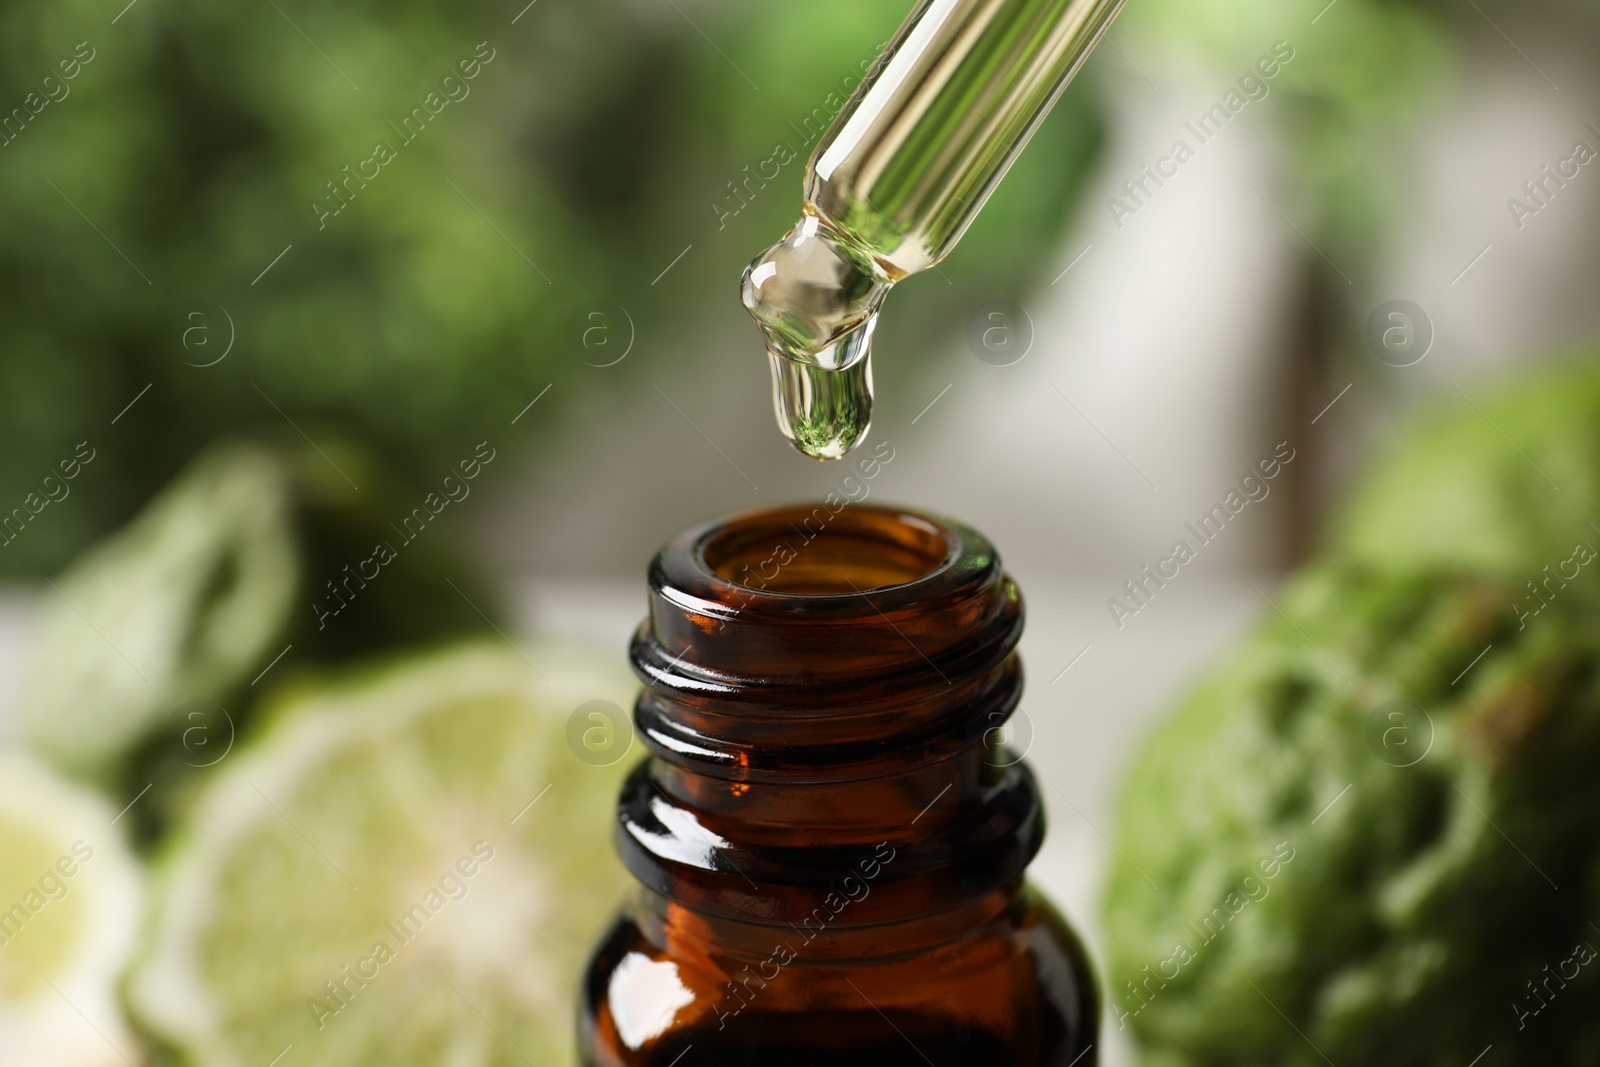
column 221, row 324
column 143, row 208
column 582, row 158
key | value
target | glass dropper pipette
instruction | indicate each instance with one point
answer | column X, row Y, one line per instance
column 895, row 182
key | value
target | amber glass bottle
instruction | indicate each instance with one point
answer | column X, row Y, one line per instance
column 830, row 841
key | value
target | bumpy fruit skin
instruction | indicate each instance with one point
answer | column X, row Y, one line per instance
column 1505, row 481
column 1419, row 919
column 1387, row 887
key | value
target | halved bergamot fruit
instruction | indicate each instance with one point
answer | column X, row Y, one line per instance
column 409, row 867
column 69, row 915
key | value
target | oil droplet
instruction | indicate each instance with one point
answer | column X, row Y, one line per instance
column 811, row 291
column 816, row 294
column 824, row 413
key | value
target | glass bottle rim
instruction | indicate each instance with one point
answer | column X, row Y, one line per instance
column 810, row 557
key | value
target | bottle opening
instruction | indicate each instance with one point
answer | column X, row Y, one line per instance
column 819, row 553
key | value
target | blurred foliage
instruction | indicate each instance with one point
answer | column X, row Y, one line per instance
column 1420, row 725
column 263, row 554
column 592, row 145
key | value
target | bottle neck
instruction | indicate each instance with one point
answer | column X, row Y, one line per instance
column 823, row 689
column 826, row 932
